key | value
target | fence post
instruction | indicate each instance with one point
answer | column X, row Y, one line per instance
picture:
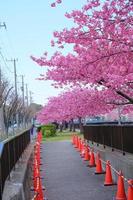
column 112, row 138
column 122, row 145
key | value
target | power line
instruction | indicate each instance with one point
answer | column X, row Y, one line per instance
column 10, row 42
column 5, row 62
column 3, row 24
column 5, row 49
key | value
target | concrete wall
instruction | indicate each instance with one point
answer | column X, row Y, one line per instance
column 18, row 187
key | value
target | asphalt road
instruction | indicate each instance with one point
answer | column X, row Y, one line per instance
column 67, row 177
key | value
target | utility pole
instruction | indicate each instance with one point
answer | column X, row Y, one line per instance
column 2, row 124
column 31, row 97
column 27, row 101
column 23, row 90
column 15, row 74
column 15, row 84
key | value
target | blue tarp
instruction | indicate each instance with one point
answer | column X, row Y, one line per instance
column 1, row 147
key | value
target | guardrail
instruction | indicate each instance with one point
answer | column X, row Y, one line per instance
column 115, row 136
column 10, row 151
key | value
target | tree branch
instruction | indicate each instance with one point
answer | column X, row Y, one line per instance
column 125, row 96
column 119, row 104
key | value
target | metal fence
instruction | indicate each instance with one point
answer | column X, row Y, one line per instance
column 10, row 151
column 114, row 136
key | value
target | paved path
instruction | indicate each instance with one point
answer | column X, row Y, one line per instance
column 66, row 176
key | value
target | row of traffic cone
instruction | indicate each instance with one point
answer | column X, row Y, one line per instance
column 88, row 155
column 37, row 184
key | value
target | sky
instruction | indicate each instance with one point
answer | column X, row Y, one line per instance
column 30, row 26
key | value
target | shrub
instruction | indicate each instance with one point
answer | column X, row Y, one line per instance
column 48, row 130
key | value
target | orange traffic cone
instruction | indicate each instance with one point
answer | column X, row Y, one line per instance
column 120, row 195
column 87, row 155
column 108, row 177
column 92, row 160
column 130, row 190
column 99, row 169
column 82, row 145
column 79, row 144
column 40, row 190
column 36, row 174
column 76, row 142
column 83, row 151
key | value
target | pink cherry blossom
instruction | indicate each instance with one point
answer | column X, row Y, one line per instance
column 99, row 67
column 102, row 48
column 53, row 4
column 77, row 103
column 58, row 1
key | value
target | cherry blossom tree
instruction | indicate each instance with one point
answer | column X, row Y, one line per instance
column 102, row 40
column 75, row 104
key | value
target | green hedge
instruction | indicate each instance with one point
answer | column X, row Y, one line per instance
column 48, row 130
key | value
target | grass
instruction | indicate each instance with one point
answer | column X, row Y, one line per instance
column 61, row 136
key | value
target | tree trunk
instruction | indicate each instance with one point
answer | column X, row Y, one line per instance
column 80, row 125
column 61, row 127
column 2, row 124
column 71, row 125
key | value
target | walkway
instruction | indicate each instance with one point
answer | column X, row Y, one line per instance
column 66, row 176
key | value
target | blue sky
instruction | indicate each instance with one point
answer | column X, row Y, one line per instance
column 30, row 25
